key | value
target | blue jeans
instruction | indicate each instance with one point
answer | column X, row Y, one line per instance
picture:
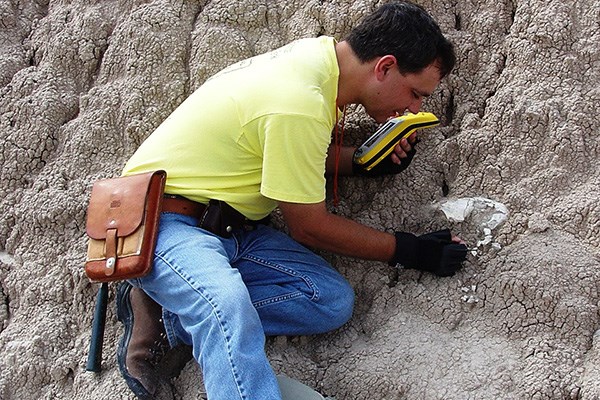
column 222, row 296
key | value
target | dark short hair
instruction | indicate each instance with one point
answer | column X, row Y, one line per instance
column 406, row 31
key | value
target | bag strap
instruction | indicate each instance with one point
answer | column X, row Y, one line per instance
column 111, row 251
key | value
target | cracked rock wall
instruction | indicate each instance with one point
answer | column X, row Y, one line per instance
column 82, row 83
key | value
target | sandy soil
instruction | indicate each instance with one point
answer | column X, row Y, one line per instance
column 82, row 83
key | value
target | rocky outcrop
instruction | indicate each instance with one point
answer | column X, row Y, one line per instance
column 83, row 83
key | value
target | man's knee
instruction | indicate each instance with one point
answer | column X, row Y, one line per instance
column 339, row 305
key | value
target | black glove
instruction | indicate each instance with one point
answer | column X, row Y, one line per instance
column 433, row 252
column 386, row 166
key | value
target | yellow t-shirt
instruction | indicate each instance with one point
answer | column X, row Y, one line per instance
column 254, row 134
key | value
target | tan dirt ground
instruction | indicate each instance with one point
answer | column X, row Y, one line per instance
column 83, row 82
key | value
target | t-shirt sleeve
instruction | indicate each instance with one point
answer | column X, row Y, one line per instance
column 294, row 153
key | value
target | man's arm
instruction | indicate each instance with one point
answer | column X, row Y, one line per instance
column 345, row 163
column 347, row 152
column 313, row 226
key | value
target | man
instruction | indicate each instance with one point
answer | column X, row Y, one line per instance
column 254, row 137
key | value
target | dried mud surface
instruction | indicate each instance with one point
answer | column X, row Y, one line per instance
column 82, row 83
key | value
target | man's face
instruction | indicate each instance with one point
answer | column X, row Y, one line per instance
column 393, row 93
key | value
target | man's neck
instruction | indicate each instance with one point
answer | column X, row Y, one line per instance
column 353, row 75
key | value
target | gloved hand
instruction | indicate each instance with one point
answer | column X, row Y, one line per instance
column 386, row 166
column 433, row 252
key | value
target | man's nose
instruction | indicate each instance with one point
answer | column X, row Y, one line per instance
column 415, row 106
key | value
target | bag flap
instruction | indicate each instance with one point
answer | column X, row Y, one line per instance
column 119, row 203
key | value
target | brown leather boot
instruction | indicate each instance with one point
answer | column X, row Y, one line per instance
column 144, row 340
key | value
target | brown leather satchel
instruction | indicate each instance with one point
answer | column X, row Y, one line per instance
column 122, row 225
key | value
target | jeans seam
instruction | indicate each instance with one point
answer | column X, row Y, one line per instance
column 169, row 329
column 278, row 299
column 291, row 272
column 216, row 313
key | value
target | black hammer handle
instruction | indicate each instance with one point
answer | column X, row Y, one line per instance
column 95, row 355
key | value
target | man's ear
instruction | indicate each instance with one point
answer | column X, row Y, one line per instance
column 383, row 66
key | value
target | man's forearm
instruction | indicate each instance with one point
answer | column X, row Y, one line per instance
column 312, row 225
column 345, row 161
column 315, row 227
column 346, row 237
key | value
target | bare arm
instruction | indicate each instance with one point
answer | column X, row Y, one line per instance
column 345, row 165
column 346, row 153
column 313, row 226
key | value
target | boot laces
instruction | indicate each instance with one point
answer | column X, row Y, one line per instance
column 159, row 347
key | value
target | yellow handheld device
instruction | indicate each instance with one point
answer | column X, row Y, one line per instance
column 382, row 142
